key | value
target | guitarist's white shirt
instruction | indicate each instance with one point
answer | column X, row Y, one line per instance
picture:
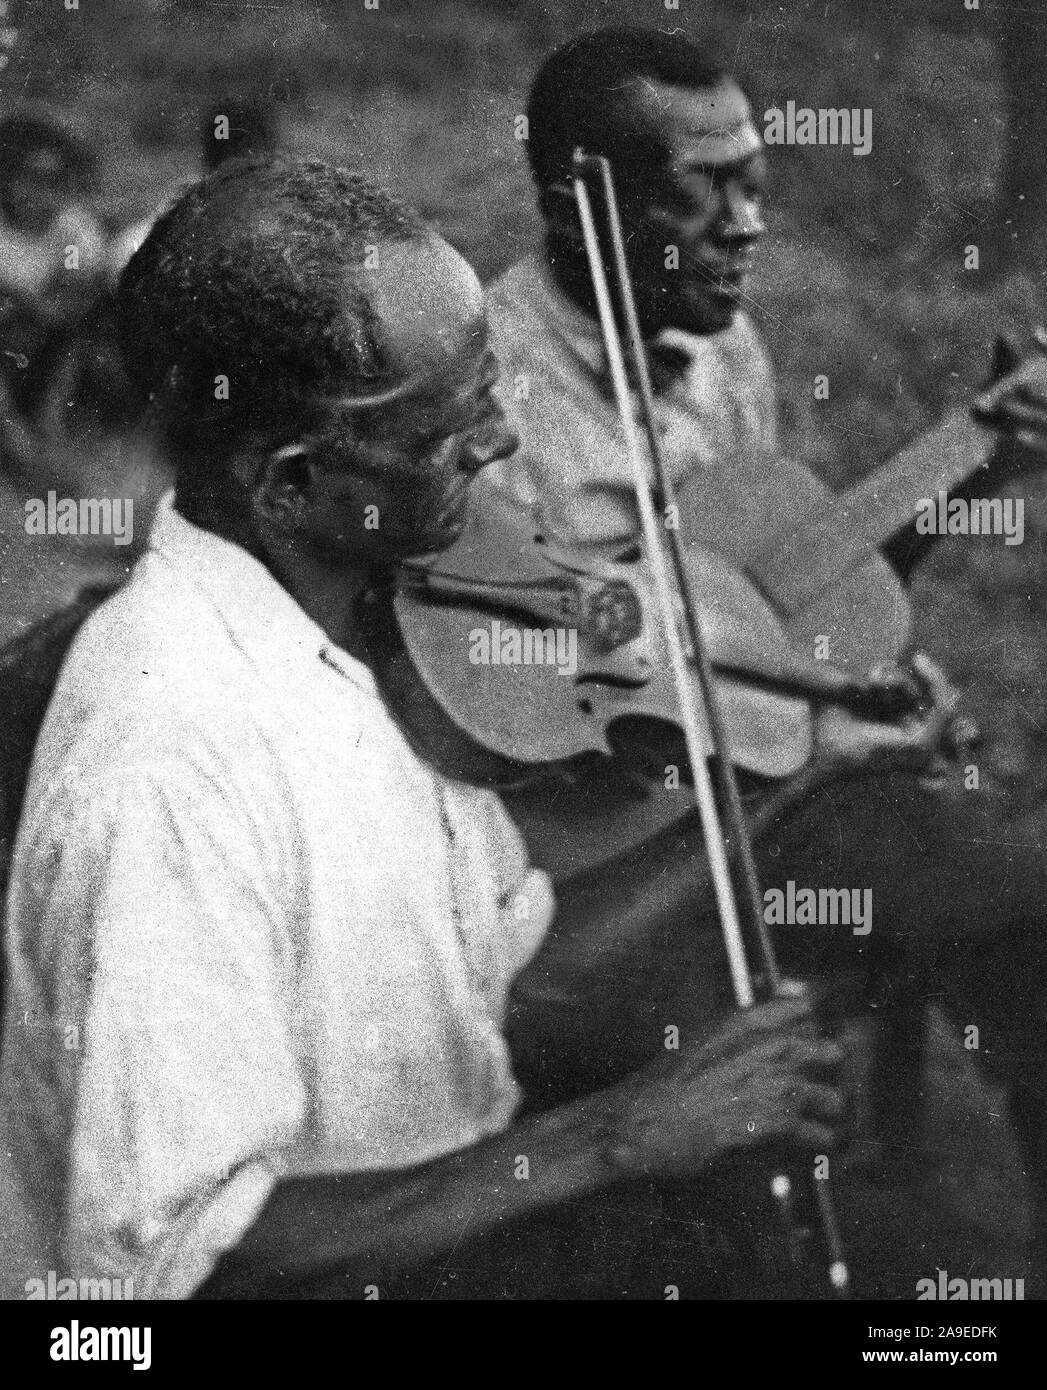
column 249, row 932
column 572, row 467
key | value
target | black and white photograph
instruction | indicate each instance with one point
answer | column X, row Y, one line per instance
column 523, row 667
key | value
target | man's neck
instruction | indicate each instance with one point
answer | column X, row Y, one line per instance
column 328, row 593
column 326, row 589
column 569, row 269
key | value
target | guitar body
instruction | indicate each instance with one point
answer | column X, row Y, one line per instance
column 866, row 619
column 861, row 620
column 815, row 554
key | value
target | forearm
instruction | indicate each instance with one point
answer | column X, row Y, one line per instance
column 363, row 1229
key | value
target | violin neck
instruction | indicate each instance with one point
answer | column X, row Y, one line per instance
column 799, row 566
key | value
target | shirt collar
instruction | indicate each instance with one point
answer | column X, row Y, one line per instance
column 260, row 615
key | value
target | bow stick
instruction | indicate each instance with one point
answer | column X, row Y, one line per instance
column 702, row 719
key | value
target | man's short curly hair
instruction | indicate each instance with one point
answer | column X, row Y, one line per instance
column 257, row 274
column 573, row 94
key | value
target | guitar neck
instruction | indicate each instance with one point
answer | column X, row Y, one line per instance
column 799, row 565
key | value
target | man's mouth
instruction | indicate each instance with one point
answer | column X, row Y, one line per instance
column 454, row 503
column 725, row 282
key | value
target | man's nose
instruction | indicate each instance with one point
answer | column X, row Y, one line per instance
column 740, row 215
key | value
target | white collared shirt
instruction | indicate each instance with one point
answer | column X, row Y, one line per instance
column 572, row 468
column 249, row 932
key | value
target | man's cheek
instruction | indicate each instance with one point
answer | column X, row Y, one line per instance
column 405, row 502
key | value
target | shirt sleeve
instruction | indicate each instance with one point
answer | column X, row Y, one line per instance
column 163, row 953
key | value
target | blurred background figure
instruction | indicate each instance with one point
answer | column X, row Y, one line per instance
column 66, row 405
column 52, row 249
column 67, row 408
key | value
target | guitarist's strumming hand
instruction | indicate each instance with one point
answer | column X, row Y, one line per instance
column 928, row 740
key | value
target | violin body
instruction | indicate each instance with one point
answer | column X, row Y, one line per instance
column 541, row 669
column 550, row 652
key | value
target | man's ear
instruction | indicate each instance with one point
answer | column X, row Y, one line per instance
column 282, row 483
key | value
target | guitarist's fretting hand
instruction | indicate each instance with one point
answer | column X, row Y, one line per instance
column 924, row 741
column 1021, row 415
column 1016, row 410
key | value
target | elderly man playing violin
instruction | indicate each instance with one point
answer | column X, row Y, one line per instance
column 260, row 951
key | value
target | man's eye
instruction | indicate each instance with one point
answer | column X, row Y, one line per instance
column 676, row 209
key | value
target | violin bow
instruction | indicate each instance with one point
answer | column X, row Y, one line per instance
column 702, row 720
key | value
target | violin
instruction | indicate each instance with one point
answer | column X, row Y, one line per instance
column 541, row 653
column 480, row 620
column 613, row 720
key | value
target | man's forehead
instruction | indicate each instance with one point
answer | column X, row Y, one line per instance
column 701, row 126
column 430, row 304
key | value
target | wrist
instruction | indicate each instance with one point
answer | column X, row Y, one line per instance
column 613, row 1139
column 636, row 1138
